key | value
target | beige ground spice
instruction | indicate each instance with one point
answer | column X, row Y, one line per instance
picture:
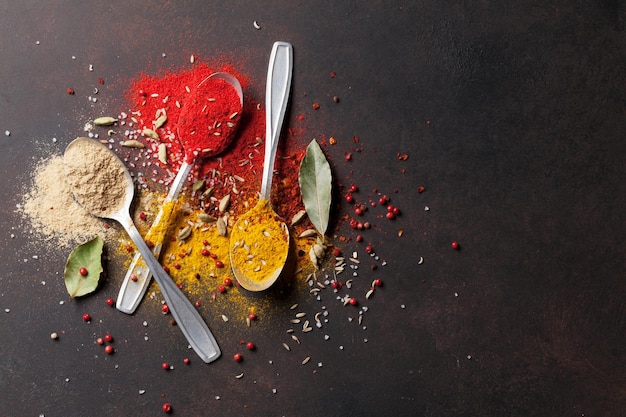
column 96, row 177
column 52, row 212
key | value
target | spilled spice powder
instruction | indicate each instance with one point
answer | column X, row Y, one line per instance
column 51, row 210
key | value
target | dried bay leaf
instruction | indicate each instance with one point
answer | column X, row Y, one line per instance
column 315, row 180
column 88, row 256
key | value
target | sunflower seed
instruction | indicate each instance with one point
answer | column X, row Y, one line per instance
column 286, row 346
column 306, row 360
column 308, row 233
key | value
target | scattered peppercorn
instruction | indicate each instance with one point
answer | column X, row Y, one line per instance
column 165, row 309
column 110, row 302
column 167, row 408
column 186, row 361
column 250, row 346
column 454, row 245
column 316, row 106
column 108, row 337
column 237, row 357
column 353, row 301
column 70, row 91
column 100, row 341
column 86, row 317
column 83, row 271
column 108, row 349
column 165, row 366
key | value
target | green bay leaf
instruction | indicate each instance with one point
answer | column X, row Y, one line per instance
column 89, row 256
column 315, row 180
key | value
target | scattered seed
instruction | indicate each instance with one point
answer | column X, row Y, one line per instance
column 294, row 337
column 160, row 121
column 133, row 144
column 256, row 25
column 184, row 233
column 300, row 315
column 224, row 203
column 104, row 121
column 293, row 306
column 163, row 153
column 286, row 346
column 306, row 360
column 297, row 218
column 308, row 233
column 224, row 318
column 421, row 261
column 239, row 376
column 221, row 226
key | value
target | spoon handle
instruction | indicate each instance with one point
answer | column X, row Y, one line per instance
column 276, row 98
column 138, row 276
column 187, row 317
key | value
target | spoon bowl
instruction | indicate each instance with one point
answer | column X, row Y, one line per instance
column 101, row 184
column 261, row 266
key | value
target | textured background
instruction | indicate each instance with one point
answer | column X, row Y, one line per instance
column 513, row 116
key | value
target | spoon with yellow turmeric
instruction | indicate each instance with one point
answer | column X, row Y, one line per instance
column 259, row 240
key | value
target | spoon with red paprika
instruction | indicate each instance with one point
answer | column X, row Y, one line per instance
column 203, row 134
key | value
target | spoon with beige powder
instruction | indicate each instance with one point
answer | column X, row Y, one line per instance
column 101, row 184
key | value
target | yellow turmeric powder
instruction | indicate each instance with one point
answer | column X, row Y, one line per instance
column 259, row 243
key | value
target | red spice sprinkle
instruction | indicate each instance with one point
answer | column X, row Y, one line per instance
column 101, row 81
column 143, row 216
column 70, row 91
column 348, row 156
column 336, row 252
column 166, row 268
column 176, row 265
column 316, row 106
column 333, row 74
column 359, row 238
column 421, row 189
column 129, row 248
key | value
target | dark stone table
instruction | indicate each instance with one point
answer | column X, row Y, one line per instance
column 512, row 115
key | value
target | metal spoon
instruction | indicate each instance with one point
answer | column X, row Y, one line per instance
column 276, row 97
column 187, row 317
column 138, row 276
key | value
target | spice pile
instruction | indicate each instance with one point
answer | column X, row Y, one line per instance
column 159, row 133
